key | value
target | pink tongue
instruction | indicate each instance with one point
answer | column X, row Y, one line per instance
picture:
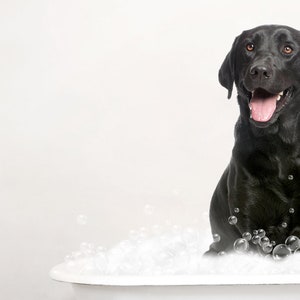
column 263, row 108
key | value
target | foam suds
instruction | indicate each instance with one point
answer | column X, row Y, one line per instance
column 178, row 251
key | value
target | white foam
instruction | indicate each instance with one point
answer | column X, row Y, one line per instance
column 177, row 252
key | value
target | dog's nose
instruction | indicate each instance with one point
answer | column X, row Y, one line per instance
column 260, row 72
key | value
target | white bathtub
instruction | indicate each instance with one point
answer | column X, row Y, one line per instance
column 190, row 287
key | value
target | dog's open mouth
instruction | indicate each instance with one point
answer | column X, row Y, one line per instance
column 263, row 104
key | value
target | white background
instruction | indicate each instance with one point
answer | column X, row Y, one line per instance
column 106, row 107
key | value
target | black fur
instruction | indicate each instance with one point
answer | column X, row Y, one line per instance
column 265, row 153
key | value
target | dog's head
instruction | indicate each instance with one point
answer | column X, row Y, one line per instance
column 264, row 64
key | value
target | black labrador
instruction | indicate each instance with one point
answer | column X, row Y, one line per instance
column 260, row 189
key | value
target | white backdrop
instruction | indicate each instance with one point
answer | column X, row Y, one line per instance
column 111, row 110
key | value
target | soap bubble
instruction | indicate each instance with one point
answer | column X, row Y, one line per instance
column 255, row 232
column 216, row 238
column 82, row 219
column 281, row 251
column 232, row 220
column 267, row 248
column 176, row 229
column 261, row 232
column 292, row 242
column 77, row 255
column 264, row 241
column 291, row 210
column 87, row 248
column 142, row 233
column 255, row 239
column 148, row 209
column 247, row 236
column 100, row 249
column 69, row 259
column 180, row 252
column 284, row 224
column 236, row 210
column 290, row 177
column 241, row 245
column 176, row 192
column 297, row 251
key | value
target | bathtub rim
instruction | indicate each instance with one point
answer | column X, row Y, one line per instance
column 60, row 273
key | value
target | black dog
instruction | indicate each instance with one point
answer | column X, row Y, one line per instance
column 260, row 189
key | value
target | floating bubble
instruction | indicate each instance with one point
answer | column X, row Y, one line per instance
column 241, row 245
column 255, row 239
column 264, row 241
column 216, row 237
column 175, row 192
column 148, row 209
column 247, row 236
column 82, row 219
column 284, row 225
column 292, row 242
column 232, row 220
column 142, row 233
column 267, row 248
column 69, row 259
column 255, row 232
column 236, row 210
column 176, row 229
column 77, row 255
column 261, row 233
column 84, row 246
column 87, row 248
column 281, row 251
column 291, row 210
column 100, row 249
column 143, row 229
column 290, row 177
column 273, row 243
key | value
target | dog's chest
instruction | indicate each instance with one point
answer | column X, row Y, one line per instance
column 272, row 162
column 287, row 165
column 287, row 173
column 277, row 166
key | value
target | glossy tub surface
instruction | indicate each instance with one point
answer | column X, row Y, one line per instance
column 175, row 287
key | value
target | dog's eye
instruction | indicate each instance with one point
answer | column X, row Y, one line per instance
column 250, row 47
column 287, row 50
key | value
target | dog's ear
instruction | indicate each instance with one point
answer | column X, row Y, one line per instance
column 227, row 70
